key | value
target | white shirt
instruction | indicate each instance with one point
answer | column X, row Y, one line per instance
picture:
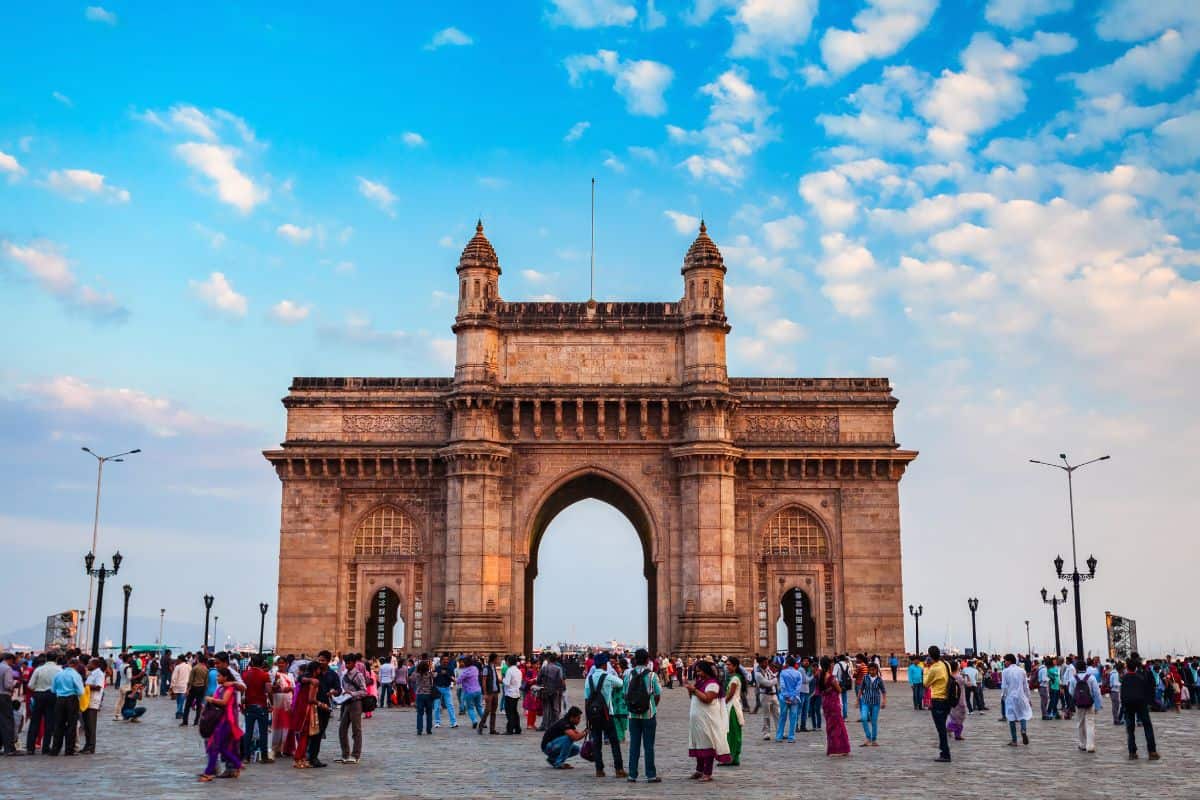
column 512, row 682
column 95, row 680
column 386, row 672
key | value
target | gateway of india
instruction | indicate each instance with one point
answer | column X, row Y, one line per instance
column 425, row 499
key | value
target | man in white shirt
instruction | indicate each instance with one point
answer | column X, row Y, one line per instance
column 512, row 695
column 387, row 675
column 41, row 684
column 95, row 685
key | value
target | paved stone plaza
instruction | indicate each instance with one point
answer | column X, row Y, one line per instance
column 158, row 759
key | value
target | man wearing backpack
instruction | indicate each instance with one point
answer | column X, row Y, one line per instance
column 842, row 674
column 1085, row 692
column 642, row 693
column 937, row 680
column 597, row 705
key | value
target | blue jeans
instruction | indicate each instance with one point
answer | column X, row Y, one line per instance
column 425, row 712
column 443, row 699
column 256, row 717
column 918, row 691
column 180, row 698
column 559, row 750
column 789, row 714
column 868, row 715
column 845, row 707
column 814, row 711
column 641, row 736
column 473, row 703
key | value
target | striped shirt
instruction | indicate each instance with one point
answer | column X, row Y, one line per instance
column 871, row 691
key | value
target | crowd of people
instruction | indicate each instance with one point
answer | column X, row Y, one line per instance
column 248, row 708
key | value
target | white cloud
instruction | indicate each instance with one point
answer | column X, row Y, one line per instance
column 614, row 163
column 591, row 13
column 849, row 271
column 10, row 166
column 446, row 241
column 654, row 18
column 1016, row 15
column 738, row 126
column 535, row 277
column 577, row 131
column 218, row 163
column 379, row 194
column 783, row 331
column 643, row 154
column 642, row 83
column 1134, row 20
column 881, row 121
column 294, row 233
column 413, row 139
column 783, row 233
column 770, row 28
column 100, row 14
column 987, row 91
column 289, row 313
column 881, row 30
column 45, row 263
column 79, row 184
column 1155, row 65
column 218, row 294
column 931, row 213
column 684, row 223
column 831, row 196
column 1177, row 140
column 62, row 98
column 358, row 330
column 449, row 36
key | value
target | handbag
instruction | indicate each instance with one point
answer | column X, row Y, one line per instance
column 210, row 718
column 586, row 752
column 85, row 699
column 369, row 704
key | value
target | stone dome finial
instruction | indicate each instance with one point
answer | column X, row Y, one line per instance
column 703, row 252
column 479, row 251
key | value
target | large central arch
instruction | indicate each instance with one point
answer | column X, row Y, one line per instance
column 594, row 484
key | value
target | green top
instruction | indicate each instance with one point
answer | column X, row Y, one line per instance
column 655, row 690
column 1053, row 673
column 618, row 701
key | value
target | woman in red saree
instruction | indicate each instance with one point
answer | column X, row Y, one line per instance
column 304, row 715
column 837, row 738
column 532, row 703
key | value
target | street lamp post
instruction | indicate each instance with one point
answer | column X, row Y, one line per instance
column 262, row 624
column 1028, row 646
column 216, row 620
column 973, row 604
column 1074, row 576
column 89, row 561
column 208, row 601
column 162, row 612
column 125, row 617
column 100, row 460
column 1056, row 602
column 916, row 615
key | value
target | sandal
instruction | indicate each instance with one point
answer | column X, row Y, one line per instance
column 204, row 778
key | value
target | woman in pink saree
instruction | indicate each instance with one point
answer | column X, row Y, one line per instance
column 223, row 743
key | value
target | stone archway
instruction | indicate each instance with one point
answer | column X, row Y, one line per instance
column 385, row 611
column 799, row 619
column 593, row 485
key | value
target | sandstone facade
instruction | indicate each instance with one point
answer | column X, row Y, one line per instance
column 428, row 497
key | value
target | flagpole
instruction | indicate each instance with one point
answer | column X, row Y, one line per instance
column 592, row 260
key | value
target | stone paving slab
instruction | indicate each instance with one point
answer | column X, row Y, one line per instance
column 159, row 759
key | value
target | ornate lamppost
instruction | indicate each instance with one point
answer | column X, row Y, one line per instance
column 973, row 604
column 101, row 574
column 125, row 617
column 208, row 601
column 1056, row 602
column 1028, row 646
column 1074, row 576
column 262, row 624
column 916, row 615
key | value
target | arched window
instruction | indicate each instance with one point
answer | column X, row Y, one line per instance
column 795, row 532
column 387, row 532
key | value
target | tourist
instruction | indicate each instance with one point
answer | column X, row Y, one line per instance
column 1137, row 693
column 68, row 687
column 872, row 695
column 618, row 667
column 937, row 680
column 916, row 682
column 1014, row 691
column 130, row 710
column 283, row 688
column 387, row 680
column 197, row 688
column 8, row 685
column 837, row 738
column 1113, row 678
column 733, row 692
column 558, row 742
column 531, row 701
column 443, row 682
column 969, row 677
column 256, row 710
column 152, row 668
column 958, row 712
column 1066, row 676
column 223, row 743
column 767, row 683
column 552, row 679
column 793, row 690
column 489, row 682
column 707, row 720
column 813, row 698
column 1054, row 686
column 1085, row 696
column 425, row 692
column 354, row 683
column 329, row 686
column 842, row 673
column 471, row 694
column 642, row 694
column 598, row 691
column 512, row 694
column 403, row 668
column 179, row 684
column 40, row 687
column 980, row 668
column 303, row 720
column 894, row 665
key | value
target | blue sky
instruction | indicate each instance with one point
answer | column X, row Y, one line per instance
column 993, row 203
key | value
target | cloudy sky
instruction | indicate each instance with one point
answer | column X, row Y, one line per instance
column 993, row 203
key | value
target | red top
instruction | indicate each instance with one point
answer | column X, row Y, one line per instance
column 256, row 681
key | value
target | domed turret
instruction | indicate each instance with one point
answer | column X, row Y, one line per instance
column 479, row 251
column 703, row 253
column 704, row 277
column 478, row 275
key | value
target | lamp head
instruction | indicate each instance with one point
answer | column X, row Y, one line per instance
column 1058, row 565
column 1063, row 456
column 973, row 603
column 86, row 449
column 117, row 559
column 262, row 607
column 1044, row 594
column 1064, row 594
column 89, row 560
column 911, row 610
column 1091, row 562
column 137, row 450
column 128, row 590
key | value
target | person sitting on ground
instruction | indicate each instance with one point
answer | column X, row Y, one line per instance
column 558, row 743
column 130, row 710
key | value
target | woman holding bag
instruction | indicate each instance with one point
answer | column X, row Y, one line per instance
column 223, row 743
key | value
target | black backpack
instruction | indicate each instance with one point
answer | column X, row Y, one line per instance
column 638, row 696
column 1083, row 692
column 843, row 677
column 596, row 706
column 953, row 690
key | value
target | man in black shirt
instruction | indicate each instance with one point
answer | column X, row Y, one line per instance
column 328, row 685
column 558, row 743
column 443, row 679
column 1137, row 693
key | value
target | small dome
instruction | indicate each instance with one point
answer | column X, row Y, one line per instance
column 703, row 252
column 479, row 251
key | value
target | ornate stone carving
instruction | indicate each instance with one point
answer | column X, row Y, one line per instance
column 802, row 428
column 389, row 423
